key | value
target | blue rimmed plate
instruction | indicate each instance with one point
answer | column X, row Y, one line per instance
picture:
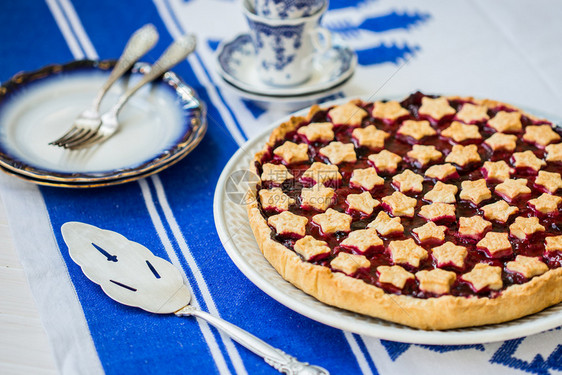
column 160, row 125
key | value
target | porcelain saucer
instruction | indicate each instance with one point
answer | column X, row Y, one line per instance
column 237, row 66
column 289, row 103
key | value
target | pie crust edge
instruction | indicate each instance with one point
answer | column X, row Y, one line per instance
column 437, row 313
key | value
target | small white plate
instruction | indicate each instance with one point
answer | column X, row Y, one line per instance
column 231, row 221
column 237, row 65
column 159, row 125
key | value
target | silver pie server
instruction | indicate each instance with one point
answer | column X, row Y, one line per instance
column 130, row 274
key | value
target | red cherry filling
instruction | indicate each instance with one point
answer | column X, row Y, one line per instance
column 368, row 251
column 517, row 200
column 437, row 123
column 496, row 255
column 444, row 219
column 431, row 242
column 541, row 215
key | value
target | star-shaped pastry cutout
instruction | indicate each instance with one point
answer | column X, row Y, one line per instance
column 363, row 240
column 275, row 199
column 499, row 211
column 366, row 179
column 385, row 161
column 310, row 248
column 394, row 275
column 546, row 204
column 471, row 113
column 436, row 108
column 527, row 160
column 390, row 110
column 436, row 281
column 527, row 266
column 370, row 137
column 277, row 173
column 385, row 225
column 287, row 223
column 318, row 197
column 463, row 155
column 338, row 152
column 442, row 193
column 347, row 114
column 333, row 221
column 549, row 181
column 317, row 131
column 502, row 142
column 554, row 153
column 473, row 227
column 416, row 129
column 495, row 245
column 408, row 182
column 363, row 202
column 321, row 173
column 424, row 155
column 430, row 232
column 438, row 212
column 292, row 153
column 484, row 276
column 541, row 135
column 475, row 191
column 506, row 122
column 512, row 189
column 349, row 263
column 399, row 204
column 406, row 252
column 496, row 171
column 442, row 172
column 449, row 254
column 460, row 132
column 553, row 243
column 524, row 227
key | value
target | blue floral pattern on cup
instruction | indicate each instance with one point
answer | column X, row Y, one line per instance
column 285, row 41
column 287, row 8
column 285, row 48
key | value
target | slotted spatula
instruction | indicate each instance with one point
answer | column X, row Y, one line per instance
column 130, row 274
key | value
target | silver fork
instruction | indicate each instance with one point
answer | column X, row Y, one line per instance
column 175, row 53
column 89, row 120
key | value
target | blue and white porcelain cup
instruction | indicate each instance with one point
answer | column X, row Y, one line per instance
column 283, row 9
column 286, row 48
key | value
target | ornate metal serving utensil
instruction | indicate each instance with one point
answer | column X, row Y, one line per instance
column 109, row 124
column 89, row 120
column 130, row 274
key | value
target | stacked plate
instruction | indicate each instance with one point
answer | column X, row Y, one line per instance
column 160, row 125
column 237, row 67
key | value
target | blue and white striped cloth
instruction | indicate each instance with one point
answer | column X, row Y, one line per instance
column 466, row 47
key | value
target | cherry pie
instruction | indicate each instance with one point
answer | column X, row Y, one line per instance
column 433, row 212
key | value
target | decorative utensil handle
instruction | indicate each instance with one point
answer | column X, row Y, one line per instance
column 276, row 358
column 175, row 53
column 138, row 45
